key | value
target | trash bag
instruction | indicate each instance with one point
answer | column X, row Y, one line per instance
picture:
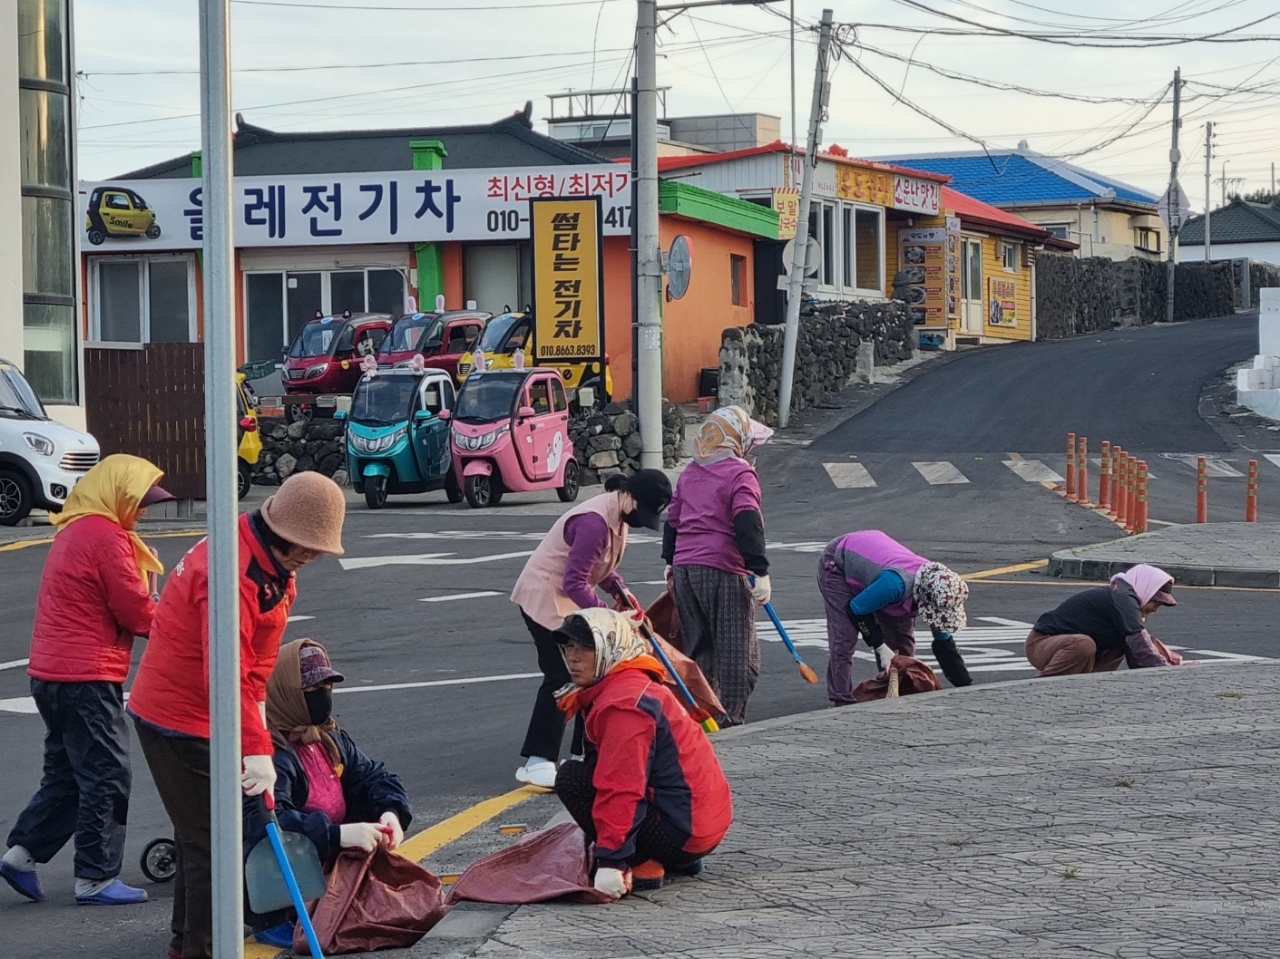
column 913, row 677
column 665, row 619
column 377, row 900
column 693, row 678
column 547, row 864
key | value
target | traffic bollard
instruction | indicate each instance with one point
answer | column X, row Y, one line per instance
column 1202, row 490
column 1131, row 499
column 1251, row 494
column 1104, row 478
column 1071, row 467
column 1140, row 524
column 1082, row 471
column 1120, row 493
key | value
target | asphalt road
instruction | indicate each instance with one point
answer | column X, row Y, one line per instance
column 417, row 618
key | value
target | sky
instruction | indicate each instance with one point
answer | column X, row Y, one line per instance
column 343, row 65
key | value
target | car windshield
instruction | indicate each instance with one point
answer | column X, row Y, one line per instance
column 16, row 396
column 383, row 399
column 495, row 334
column 316, row 339
column 487, row 397
column 411, row 331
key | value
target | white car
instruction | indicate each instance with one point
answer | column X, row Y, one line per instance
column 40, row 460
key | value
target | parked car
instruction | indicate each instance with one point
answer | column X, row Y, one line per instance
column 249, row 446
column 508, row 333
column 326, row 354
column 118, row 211
column 440, row 339
column 40, row 460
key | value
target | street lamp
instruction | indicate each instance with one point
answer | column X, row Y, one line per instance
column 648, row 255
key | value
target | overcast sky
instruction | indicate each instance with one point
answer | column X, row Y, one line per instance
column 326, row 64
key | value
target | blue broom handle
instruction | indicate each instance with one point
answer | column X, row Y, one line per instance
column 273, row 833
column 777, row 623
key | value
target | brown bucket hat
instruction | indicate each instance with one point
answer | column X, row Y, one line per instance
column 308, row 511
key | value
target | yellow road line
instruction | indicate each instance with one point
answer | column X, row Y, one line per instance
column 443, row 833
column 1001, row 570
column 9, row 547
column 44, row 541
column 256, row 950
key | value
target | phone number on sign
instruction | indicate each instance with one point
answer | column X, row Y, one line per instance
column 552, row 352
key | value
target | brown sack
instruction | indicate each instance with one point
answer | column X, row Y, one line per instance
column 666, row 621
column 547, row 864
column 696, row 682
column 377, row 900
column 913, row 677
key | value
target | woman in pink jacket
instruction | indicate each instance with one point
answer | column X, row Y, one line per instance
column 97, row 593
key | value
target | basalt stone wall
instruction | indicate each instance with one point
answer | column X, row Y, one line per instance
column 289, row 448
column 826, row 354
column 1261, row 276
column 607, row 443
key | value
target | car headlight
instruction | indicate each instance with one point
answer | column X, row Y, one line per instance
column 316, row 371
column 41, row 444
column 377, row 444
column 481, row 442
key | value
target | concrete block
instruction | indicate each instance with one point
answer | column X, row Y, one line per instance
column 1264, row 362
column 1263, row 402
column 1269, row 321
column 1255, row 379
column 1247, row 578
column 1191, row 575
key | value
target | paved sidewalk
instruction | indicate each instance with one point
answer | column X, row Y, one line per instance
column 1129, row 814
column 1207, row 554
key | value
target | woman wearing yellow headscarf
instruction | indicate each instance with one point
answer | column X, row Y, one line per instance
column 96, row 595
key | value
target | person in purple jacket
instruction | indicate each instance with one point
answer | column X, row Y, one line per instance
column 714, row 547
column 873, row 587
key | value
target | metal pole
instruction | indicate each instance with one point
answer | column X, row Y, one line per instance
column 635, row 298
column 791, row 155
column 1174, row 207
column 1208, row 197
column 795, row 291
column 648, row 258
column 220, row 456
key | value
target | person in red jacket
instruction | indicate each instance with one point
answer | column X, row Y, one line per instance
column 95, row 596
column 650, row 792
column 169, row 702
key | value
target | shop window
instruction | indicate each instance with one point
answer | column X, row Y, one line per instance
column 870, row 242
column 497, row 276
column 1011, row 256
column 1060, row 230
column 1147, row 239
column 738, row 279
column 143, row 299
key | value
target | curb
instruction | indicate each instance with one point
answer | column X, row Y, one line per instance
column 1063, row 564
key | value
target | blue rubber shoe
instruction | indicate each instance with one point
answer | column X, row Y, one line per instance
column 280, row 936
column 693, row 869
column 116, row 894
column 25, row 882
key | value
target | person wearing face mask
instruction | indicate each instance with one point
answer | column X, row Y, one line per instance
column 169, row 702
column 714, row 547
column 326, row 787
column 579, row 554
column 649, row 792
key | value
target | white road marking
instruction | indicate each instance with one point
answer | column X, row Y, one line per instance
column 804, row 546
column 505, row 534
column 435, row 682
column 1097, row 461
column 449, row 599
column 1033, row 471
column 426, row 559
column 1005, row 622
column 1274, row 457
column 940, row 474
column 300, row 619
column 1212, row 467
column 21, row 704
column 14, row 663
column 849, row 475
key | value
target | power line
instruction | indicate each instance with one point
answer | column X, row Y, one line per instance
column 365, row 7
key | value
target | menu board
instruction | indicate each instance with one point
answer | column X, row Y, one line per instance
column 922, row 255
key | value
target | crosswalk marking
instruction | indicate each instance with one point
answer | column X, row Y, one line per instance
column 849, row 475
column 1033, row 471
column 940, row 474
column 1274, row 457
column 1097, row 461
column 425, row 559
column 1212, row 467
column 451, row 597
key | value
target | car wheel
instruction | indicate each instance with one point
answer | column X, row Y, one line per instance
column 159, row 860
column 244, row 479
column 479, row 492
column 375, row 492
column 569, row 491
column 299, row 413
column 452, row 491
column 97, row 237
column 153, row 231
column 15, row 498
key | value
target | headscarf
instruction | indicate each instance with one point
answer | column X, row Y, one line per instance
column 114, row 489
column 728, row 432
column 288, row 719
column 618, row 646
column 1146, row 581
column 940, row 594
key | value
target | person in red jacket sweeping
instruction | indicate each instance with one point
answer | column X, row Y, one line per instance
column 650, row 792
column 95, row 596
column 170, row 698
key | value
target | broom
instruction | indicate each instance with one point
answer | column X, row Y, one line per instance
column 806, row 671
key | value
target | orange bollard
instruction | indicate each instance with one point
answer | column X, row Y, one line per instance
column 1140, row 525
column 1104, row 478
column 1202, row 490
column 1082, row 471
column 1251, row 494
column 1131, row 499
column 1071, row 467
column 1120, row 494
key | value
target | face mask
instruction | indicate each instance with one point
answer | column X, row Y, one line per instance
column 319, row 705
column 632, row 519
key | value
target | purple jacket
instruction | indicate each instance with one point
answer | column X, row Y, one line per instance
column 706, row 500
column 862, row 556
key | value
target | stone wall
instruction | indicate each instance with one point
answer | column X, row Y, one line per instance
column 608, row 442
column 289, row 448
column 826, row 354
column 1261, row 276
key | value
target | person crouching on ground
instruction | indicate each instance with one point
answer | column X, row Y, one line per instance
column 1097, row 629
column 873, row 587
column 579, row 554
column 96, row 595
column 326, row 787
column 714, row 547
column 649, row 792
column 170, row 698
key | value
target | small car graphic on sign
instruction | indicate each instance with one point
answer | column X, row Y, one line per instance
column 118, row 211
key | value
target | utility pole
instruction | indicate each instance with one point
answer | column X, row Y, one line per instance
column 220, row 455
column 1224, row 182
column 1175, row 197
column 821, row 95
column 648, row 256
column 1208, row 197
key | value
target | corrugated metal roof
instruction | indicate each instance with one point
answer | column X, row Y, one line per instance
column 666, row 164
column 1240, row 221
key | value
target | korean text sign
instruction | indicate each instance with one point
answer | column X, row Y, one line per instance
column 568, row 266
column 1002, row 305
column 922, row 257
column 409, row 206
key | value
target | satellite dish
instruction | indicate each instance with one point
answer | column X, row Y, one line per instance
column 812, row 256
column 679, row 266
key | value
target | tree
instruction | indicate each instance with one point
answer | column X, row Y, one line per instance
column 1262, row 196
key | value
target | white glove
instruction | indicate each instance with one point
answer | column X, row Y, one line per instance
column 360, row 835
column 668, row 574
column 614, row 883
column 762, row 589
column 259, row 775
column 884, row 656
column 392, row 821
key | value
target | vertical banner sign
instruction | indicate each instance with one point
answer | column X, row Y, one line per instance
column 787, row 203
column 568, row 280
column 1002, row 309
column 922, row 256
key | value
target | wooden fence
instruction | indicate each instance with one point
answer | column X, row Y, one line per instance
column 150, row 402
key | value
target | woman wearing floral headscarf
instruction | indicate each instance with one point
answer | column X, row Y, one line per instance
column 649, row 792
column 873, row 587
column 714, row 546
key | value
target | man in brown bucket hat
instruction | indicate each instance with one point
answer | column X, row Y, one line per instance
column 170, row 698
